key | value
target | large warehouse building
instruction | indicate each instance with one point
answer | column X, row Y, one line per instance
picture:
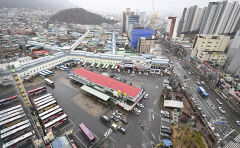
column 122, row 94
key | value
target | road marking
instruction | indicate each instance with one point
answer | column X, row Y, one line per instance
column 153, row 116
column 153, row 135
column 79, row 138
column 157, row 86
column 68, row 126
column 155, row 101
column 128, row 124
column 228, row 134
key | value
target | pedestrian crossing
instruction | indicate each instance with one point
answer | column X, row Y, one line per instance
column 235, row 143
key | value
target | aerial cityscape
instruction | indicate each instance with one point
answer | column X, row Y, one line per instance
column 119, row 74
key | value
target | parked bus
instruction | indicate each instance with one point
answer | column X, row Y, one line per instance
column 14, row 131
column 49, row 82
column 42, row 74
column 37, row 91
column 10, row 109
column 41, row 108
column 202, row 92
column 44, row 102
column 50, row 118
column 7, row 101
column 84, row 63
column 98, row 65
column 14, row 126
column 49, row 111
column 86, row 133
column 40, row 101
column 11, row 120
column 42, row 97
column 93, row 64
column 49, row 71
column 104, row 66
column 11, row 112
column 47, row 108
column 10, row 116
column 113, row 66
column 54, row 123
column 116, row 66
column 51, row 114
column 46, row 73
column 19, row 139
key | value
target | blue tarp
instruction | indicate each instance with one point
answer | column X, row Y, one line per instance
column 137, row 33
column 167, row 142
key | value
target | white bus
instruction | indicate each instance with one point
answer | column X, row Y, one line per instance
column 10, row 116
column 46, row 105
column 48, row 111
column 51, row 114
column 45, row 99
column 49, row 82
column 56, row 122
column 12, row 119
column 42, row 74
column 44, row 102
column 11, row 112
column 5, row 135
column 21, row 138
column 14, row 126
column 49, row 71
column 42, row 97
column 9, row 109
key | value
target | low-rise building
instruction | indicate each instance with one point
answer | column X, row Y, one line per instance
column 210, row 48
column 145, row 44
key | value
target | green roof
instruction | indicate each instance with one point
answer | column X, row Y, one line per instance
column 95, row 93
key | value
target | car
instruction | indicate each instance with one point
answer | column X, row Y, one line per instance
column 199, row 108
column 221, row 109
column 119, row 112
column 238, row 123
column 116, row 115
column 218, row 101
column 180, row 59
column 203, row 114
column 165, row 127
column 124, row 120
column 198, row 83
column 146, row 96
column 166, row 131
column 114, row 118
column 202, row 82
column 185, row 85
column 140, row 105
column 122, row 130
column 189, row 73
column 135, row 109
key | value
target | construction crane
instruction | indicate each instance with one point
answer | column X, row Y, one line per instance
column 155, row 15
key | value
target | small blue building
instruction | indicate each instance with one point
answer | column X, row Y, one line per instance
column 140, row 32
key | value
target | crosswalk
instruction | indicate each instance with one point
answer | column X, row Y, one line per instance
column 235, row 143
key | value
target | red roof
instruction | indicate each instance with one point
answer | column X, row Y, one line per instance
column 108, row 82
column 41, row 51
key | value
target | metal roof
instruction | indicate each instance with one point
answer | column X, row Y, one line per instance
column 95, row 93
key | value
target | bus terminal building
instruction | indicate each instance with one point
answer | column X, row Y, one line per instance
column 108, row 89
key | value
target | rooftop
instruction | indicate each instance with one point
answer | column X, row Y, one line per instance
column 108, row 82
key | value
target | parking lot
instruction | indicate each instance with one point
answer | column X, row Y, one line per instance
column 81, row 108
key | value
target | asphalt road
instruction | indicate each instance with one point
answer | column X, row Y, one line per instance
column 210, row 106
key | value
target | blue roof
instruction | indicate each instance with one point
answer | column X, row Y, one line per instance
column 61, row 142
column 167, row 142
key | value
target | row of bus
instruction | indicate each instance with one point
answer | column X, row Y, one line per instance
column 49, row 112
column 45, row 73
column 104, row 66
column 15, row 128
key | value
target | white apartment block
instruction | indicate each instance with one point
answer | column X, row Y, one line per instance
column 210, row 48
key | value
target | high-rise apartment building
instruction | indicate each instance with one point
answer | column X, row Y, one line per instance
column 210, row 48
column 180, row 24
column 233, row 53
column 217, row 18
column 130, row 20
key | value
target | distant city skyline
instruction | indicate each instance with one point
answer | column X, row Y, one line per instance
column 169, row 7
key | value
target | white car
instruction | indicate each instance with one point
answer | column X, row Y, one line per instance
column 202, row 82
column 219, row 102
column 198, row 83
column 238, row 123
column 140, row 105
column 221, row 109
column 146, row 96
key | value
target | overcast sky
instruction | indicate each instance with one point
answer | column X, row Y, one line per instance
column 117, row 6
